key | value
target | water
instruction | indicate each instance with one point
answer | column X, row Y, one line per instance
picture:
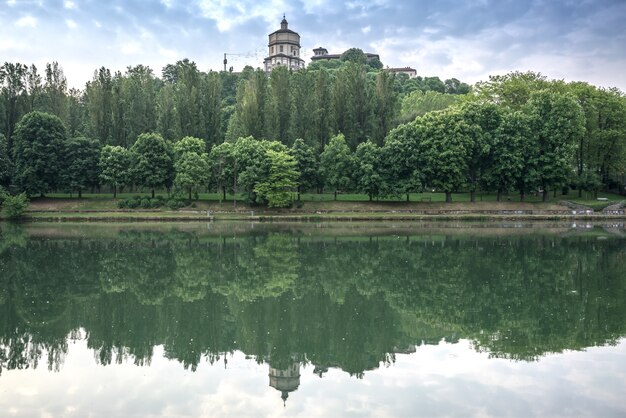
column 313, row 320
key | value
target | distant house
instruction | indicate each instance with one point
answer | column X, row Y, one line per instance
column 284, row 49
column 320, row 54
column 411, row 72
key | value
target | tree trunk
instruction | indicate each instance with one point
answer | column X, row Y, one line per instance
column 472, row 196
column 335, row 194
column 153, row 193
column 80, row 193
column 554, row 193
column 448, row 197
column 580, row 192
column 407, row 197
column 544, row 198
column 190, row 193
column 499, row 196
column 521, row 195
column 224, row 193
column 370, row 197
column 298, row 193
column 114, row 192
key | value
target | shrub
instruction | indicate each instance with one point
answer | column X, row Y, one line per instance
column 15, row 205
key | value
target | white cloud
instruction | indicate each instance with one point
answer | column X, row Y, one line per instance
column 226, row 15
column 366, row 29
column 26, row 22
column 130, row 48
column 71, row 24
column 11, row 3
column 69, row 4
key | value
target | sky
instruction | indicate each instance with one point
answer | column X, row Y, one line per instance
column 577, row 40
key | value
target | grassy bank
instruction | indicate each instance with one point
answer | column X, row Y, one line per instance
column 317, row 207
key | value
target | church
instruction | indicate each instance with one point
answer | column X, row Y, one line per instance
column 284, row 49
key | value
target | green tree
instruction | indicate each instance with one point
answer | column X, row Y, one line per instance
column 152, row 164
column 114, row 165
column 306, row 165
column 13, row 88
column 385, row 106
column 98, row 99
column 445, row 140
column 6, row 165
column 191, row 164
column 367, row 177
column 38, row 152
column 278, row 106
column 14, row 206
column 336, row 164
column 80, row 164
column 323, row 115
column 402, row 162
column 510, row 163
column 222, row 166
column 352, row 103
column 277, row 187
column 557, row 124
column 192, row 171
column 418, row 103
column 212, row 109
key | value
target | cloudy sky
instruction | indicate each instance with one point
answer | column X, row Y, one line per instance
column 470, row 40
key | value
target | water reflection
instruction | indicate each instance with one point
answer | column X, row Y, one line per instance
column 304, row 297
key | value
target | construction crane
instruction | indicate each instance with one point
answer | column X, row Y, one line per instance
column 254, row 54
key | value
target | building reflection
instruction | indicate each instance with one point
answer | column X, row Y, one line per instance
column 285, row 380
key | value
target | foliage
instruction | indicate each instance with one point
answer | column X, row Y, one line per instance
column 14, row 206
column 306, row 165
column 276, row 188
column 114, row 165
column 80, row 170
column 38, row 153
column 6, row 165
column 367, row 176
column 152, row 164
column 336, row 164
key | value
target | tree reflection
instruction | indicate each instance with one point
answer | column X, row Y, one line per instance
column 334, row 302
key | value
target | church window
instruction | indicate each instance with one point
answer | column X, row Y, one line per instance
column 281, row 48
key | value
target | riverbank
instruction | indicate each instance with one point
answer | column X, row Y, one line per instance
column 103, row 210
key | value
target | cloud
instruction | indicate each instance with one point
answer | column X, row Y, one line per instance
column 450, row 38
column 26, row 22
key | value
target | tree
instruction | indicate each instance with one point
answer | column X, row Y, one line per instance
column 354, row 55
column 401, row 162
column 510, row 161
column 385, row 106
column 114, row 167
column 6, row 165
column 38, row 152
column 252, row 164
column 98, row 99
column 557, row 124
column 323, row 115
column 152, row 164
column 80, row 169
column 189, row 144
column 306, row 165
column 336, row 164
column 276, row 188
column 15, row 205
column 418, row 103
column 483, row 120
column 367, row 176
column 445, row 139
column 278, row 107
column 222, row 167
column 352, row 103
column 191, row 164
column 192, row 171
column 13, row 83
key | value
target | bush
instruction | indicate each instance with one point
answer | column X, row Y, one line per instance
column 15, row 205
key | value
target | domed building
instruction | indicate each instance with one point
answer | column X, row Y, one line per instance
column 284, row 49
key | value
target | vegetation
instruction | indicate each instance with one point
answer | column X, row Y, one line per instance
column 201, row 295
column 349, row 126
